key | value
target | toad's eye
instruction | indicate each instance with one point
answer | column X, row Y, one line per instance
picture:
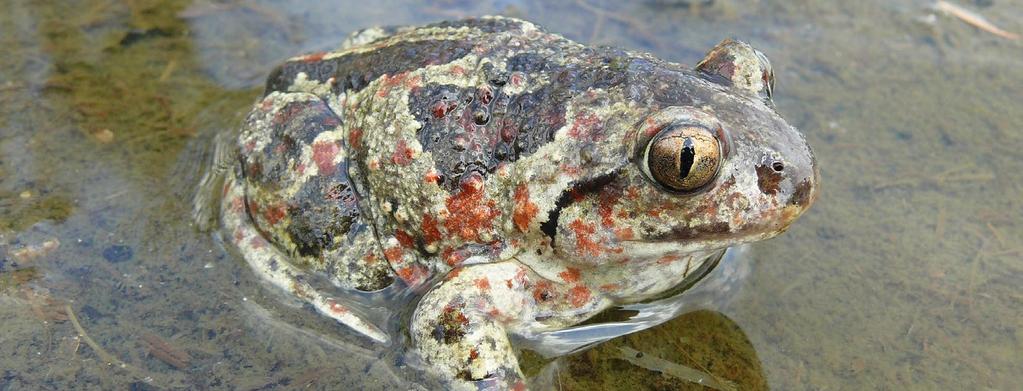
column 683, row 158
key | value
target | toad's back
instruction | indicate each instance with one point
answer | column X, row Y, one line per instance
column 508, row 87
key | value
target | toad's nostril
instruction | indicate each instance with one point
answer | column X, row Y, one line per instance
column 778, row 166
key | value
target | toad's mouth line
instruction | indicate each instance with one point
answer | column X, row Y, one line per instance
column 571, row 193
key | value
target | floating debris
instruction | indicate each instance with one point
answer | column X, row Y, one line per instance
column 104, row 136
column 166, row 352
column 973, row 19
column 45, row 307
column 14, row 278
column 28, row 253
column 669, row 368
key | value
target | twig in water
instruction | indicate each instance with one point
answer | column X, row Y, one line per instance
column 669, row 368
column 973, row 19
column 103, row 355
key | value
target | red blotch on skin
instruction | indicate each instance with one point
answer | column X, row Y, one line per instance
column 257, row 242
column 579, row 296
column 389, row 82
column 610, row 287
column 412, row 275
column 525, row 210
column 520, row 276
column 370, row 259
column 454, row 273
column 516, row 79
column 473, row 354
column 542, row 291
column 237, row 204
column 508, row 130
column 274, row 214
column 587, row 126
column 470, row 212
column 570, row 275
column 439, row 110
column 253, row 207
column 393, row 254
column 402, row 154
column 452, row 258
column 457, row 70
column 508, row 282
column 429, row 227
column 355, row 138
column 494, row 312
column 266, row 105
column 652, row 128
column 606, row 200
column 335, row 308
column 405, row 239
column 413, row 83
column 632, row 193
column 314, row 57
column 431, row 177
column 324, row 153
column 667, row 259
column 485, row 95
column 624, row 233
column 280, row 148
column 483, row 284
column 583, row 241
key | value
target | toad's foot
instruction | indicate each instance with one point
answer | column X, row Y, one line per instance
column 271, row 265
column 461, row 327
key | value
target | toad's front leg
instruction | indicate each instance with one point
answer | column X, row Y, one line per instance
column 461, row 327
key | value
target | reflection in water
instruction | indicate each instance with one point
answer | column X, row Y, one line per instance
column 675, row 355
column 904, row 275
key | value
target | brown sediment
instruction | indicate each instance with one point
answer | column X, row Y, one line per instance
column 164, row 351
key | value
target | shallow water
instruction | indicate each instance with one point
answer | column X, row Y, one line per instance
column 903, row 275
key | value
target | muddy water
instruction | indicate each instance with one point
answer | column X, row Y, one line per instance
column 904, row 275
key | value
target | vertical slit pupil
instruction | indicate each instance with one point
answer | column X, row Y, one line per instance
column 687, row 155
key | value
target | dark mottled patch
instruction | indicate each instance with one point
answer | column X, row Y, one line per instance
column 801, row 196
column 477, row 129
column 118, row 253
column 294, row 125
column 354, row 71
column 768, row 179
column 452, row 324
column 322, row 213
column 323, row 209
column 657, row 84
column 701, row 231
